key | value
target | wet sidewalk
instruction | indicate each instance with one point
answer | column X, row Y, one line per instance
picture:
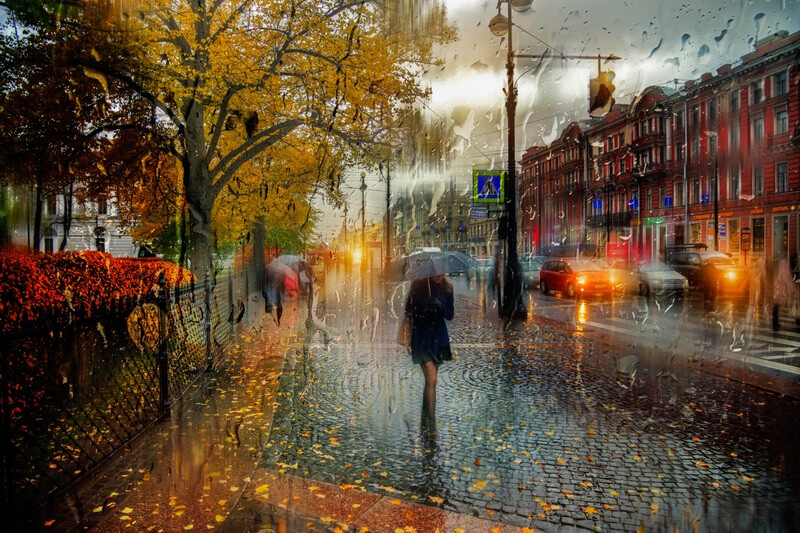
column 541, row 426
column 189, row 471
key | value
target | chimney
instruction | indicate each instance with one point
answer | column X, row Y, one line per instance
column 705, row 77
column 688, row 84
column 724, row 68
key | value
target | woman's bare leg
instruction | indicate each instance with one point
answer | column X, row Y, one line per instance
column 429, row 370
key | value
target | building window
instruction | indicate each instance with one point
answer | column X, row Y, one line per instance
column 695, row 146
column 695, row 199
column 102, row 206
column 695, row 115
column 782, row 177
column 648, row 199
column 49, row 240
column 100, row 239
column 679, row 120
column 623, row 166
column 779, row 84
column 662, row 193
column 758, row 235
column 679, row 151
column 757, row 92
column 781, row 122
column 734, row 135
column 50, row 205
column 694, row 232
column 758, row 181
column 712, row 144
column 712, row 110
column 735, row 188
column 677, row 194
column 733, row 235
column 758, row 129
column 735, row 100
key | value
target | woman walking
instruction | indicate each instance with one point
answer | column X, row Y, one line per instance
column 429, row 304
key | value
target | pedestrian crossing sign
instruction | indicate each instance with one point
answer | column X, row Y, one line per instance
column 488, row 186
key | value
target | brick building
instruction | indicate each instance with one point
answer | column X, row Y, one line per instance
column 643, row 177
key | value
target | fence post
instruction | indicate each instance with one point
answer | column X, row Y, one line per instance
column 230, row 299
column 209, row 355
column 6, row 439
column 163, row 360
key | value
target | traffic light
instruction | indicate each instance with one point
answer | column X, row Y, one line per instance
column 601, row 90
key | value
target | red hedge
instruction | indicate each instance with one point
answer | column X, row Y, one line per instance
column 39, row 289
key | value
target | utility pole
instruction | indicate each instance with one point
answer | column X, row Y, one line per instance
column 388, row 227
column 363, row 222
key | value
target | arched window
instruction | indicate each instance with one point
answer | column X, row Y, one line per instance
column 100, row 239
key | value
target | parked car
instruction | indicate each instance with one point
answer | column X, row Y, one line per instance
column 657, row 279
column 574, row 277
column 733, row 279
column 530, row 270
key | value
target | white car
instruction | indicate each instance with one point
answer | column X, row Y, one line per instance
column 657, row 279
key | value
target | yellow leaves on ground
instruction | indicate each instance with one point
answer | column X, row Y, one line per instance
column 436, row 499
column 561, row 461
column 701, row 464
column 475, row 487
column 590, row 510
column 219, row 518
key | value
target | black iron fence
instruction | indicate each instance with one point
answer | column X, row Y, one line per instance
column 74, row 394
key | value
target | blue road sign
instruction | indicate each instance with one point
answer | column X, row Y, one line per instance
column 488, row 186
column 597, row 203
column 633, row 203
column 704, row 199
column 668, row 201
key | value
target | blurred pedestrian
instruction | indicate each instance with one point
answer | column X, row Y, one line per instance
column 429, row 303
column 497, row 272
column 782, row 291
column 709, row 278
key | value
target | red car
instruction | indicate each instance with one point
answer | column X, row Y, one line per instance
column 574, row 277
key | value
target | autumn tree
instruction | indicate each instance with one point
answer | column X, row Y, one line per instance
column 232, row 79
column 65, row 129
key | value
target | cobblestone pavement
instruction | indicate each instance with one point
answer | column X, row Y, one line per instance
column 538, row 425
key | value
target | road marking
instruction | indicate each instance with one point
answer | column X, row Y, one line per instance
column 781, row 356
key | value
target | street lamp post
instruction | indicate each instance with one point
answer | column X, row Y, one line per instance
column 512, row 306
column 363, row 223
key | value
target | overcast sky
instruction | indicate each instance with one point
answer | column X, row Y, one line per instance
column 660, row 41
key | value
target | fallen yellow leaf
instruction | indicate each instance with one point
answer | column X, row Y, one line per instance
column 436, row 499
column 590, row 510
column 219, row 518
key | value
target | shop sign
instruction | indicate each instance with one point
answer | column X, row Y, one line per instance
column 745, row 244
column 649, row 221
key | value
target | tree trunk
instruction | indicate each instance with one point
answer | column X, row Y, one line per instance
column 37, row 215
column 259, row 236
column 67, row 220
column 199, row 199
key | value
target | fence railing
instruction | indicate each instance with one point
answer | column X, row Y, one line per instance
column 74, row 394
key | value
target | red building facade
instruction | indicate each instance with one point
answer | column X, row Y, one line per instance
column 708, row 164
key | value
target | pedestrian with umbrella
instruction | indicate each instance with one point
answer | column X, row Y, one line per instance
column 429, row 303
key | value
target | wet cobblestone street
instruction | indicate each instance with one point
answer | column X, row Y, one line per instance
column 538, row 426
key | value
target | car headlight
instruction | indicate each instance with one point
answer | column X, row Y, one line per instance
column 581, row 281
column 658, row 281
column 730, row 274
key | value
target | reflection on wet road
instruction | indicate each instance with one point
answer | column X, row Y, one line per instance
column 536, row 423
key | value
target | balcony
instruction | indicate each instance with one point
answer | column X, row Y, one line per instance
column 615, row 220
